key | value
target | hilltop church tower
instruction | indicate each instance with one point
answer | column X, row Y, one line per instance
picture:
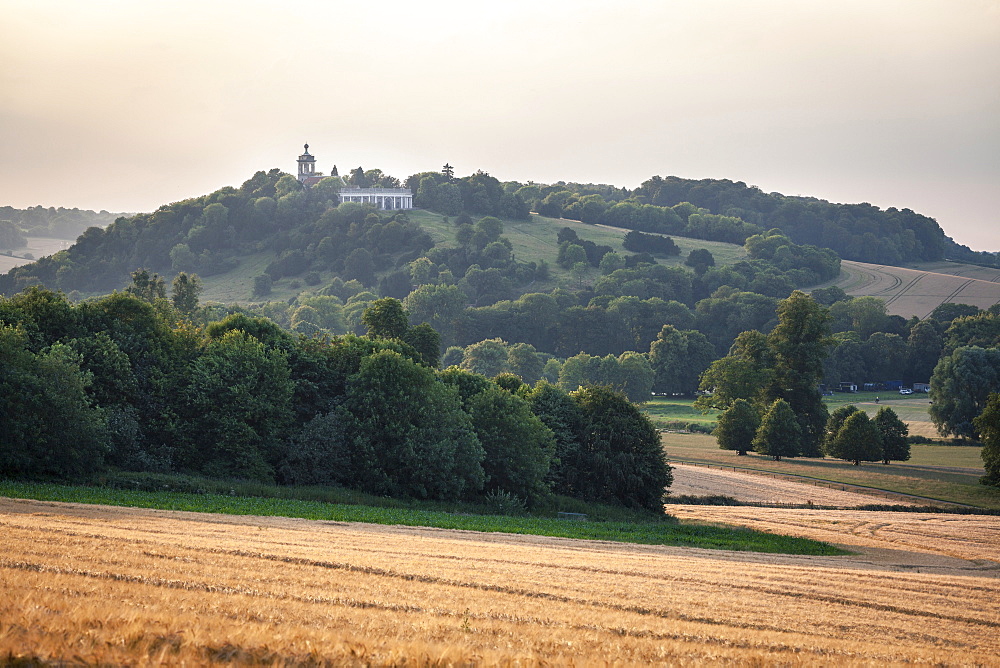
column 307, row 165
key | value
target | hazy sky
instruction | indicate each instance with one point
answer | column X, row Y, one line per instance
column 127, row 105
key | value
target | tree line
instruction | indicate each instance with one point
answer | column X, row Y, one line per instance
column 127, row 381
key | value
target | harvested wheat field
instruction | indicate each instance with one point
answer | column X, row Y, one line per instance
column 757, row 487
column 97, row 584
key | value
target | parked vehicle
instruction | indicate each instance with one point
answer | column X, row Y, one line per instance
column 906, row 391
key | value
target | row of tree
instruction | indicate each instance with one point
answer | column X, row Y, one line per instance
column 850, row 434
column 127, row 381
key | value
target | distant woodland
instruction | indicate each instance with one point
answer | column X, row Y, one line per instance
column 377, row 295
column 38, row 221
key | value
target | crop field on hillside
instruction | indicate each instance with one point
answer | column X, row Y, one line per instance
column 92, row 584
column 944, row 473
column 917, row 292
column 37, row 247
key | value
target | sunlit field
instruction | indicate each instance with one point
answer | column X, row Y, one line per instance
column 100, row 585
column 917, row 292
column 934, row 472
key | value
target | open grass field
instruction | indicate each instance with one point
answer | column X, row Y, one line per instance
column 37, row 247
column 935, row 472
column 117, row 586
column 917, row 292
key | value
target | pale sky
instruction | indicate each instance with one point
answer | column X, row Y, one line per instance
column 125, row 105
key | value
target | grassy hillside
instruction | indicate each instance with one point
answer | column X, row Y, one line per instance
column 532, row 241
column 918, row 291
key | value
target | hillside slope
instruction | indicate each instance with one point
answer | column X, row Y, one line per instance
column 918, row 291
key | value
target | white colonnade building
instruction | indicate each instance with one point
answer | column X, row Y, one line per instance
column 383, row 198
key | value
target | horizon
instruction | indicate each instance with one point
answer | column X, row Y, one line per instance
column 126, row 108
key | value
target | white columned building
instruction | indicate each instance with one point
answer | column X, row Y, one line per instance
column 383, row 198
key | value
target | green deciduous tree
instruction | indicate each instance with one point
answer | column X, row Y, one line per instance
column 737, row 427
column 50, row 427
column 409, row 434
column 185, row 290
column 237, row 409
column 745, row 373
column 678, row 358
column 960, row 386
column 620, row 451
column 487, row 358
column 857, row 440
column 518, row 445
column 779, row 434
column 893, row 434
column 988, row 426
column 800, row 343
column 386, row 319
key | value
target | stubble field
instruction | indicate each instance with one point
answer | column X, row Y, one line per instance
column 95, row 584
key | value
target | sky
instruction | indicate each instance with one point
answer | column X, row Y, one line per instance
column 125, row 106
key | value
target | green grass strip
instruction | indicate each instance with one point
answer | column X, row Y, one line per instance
column 646, row 533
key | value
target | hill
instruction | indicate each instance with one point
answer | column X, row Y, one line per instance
column 919, row 290
column 59, row 223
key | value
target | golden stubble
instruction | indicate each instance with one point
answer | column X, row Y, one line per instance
column 111, row 585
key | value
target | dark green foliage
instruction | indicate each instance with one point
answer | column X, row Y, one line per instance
column 988, row 426
column 426, row 341
column 834, row 423
column 262, row 285
column 982, row 329
column 11, row 236
column 620, row 451
column 737, row 427
column 654, row 244
column 799, row 344
column 857, row 440
column 184, row 292
column 893, row 434
column 629, row 373
column 949, row 311
column 678, row 358
column 42, row 315
column 564, row 418
column 747, row 372
column 700, row 259
column 960, row 387
column 779, row 434
column 237, row 409
column 855, row 231
column 386, row 319
column 408, row 433
column 518, row 445
column 50, row 427
column 923, row 349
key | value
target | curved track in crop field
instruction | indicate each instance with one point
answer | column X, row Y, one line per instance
column 918, row 291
